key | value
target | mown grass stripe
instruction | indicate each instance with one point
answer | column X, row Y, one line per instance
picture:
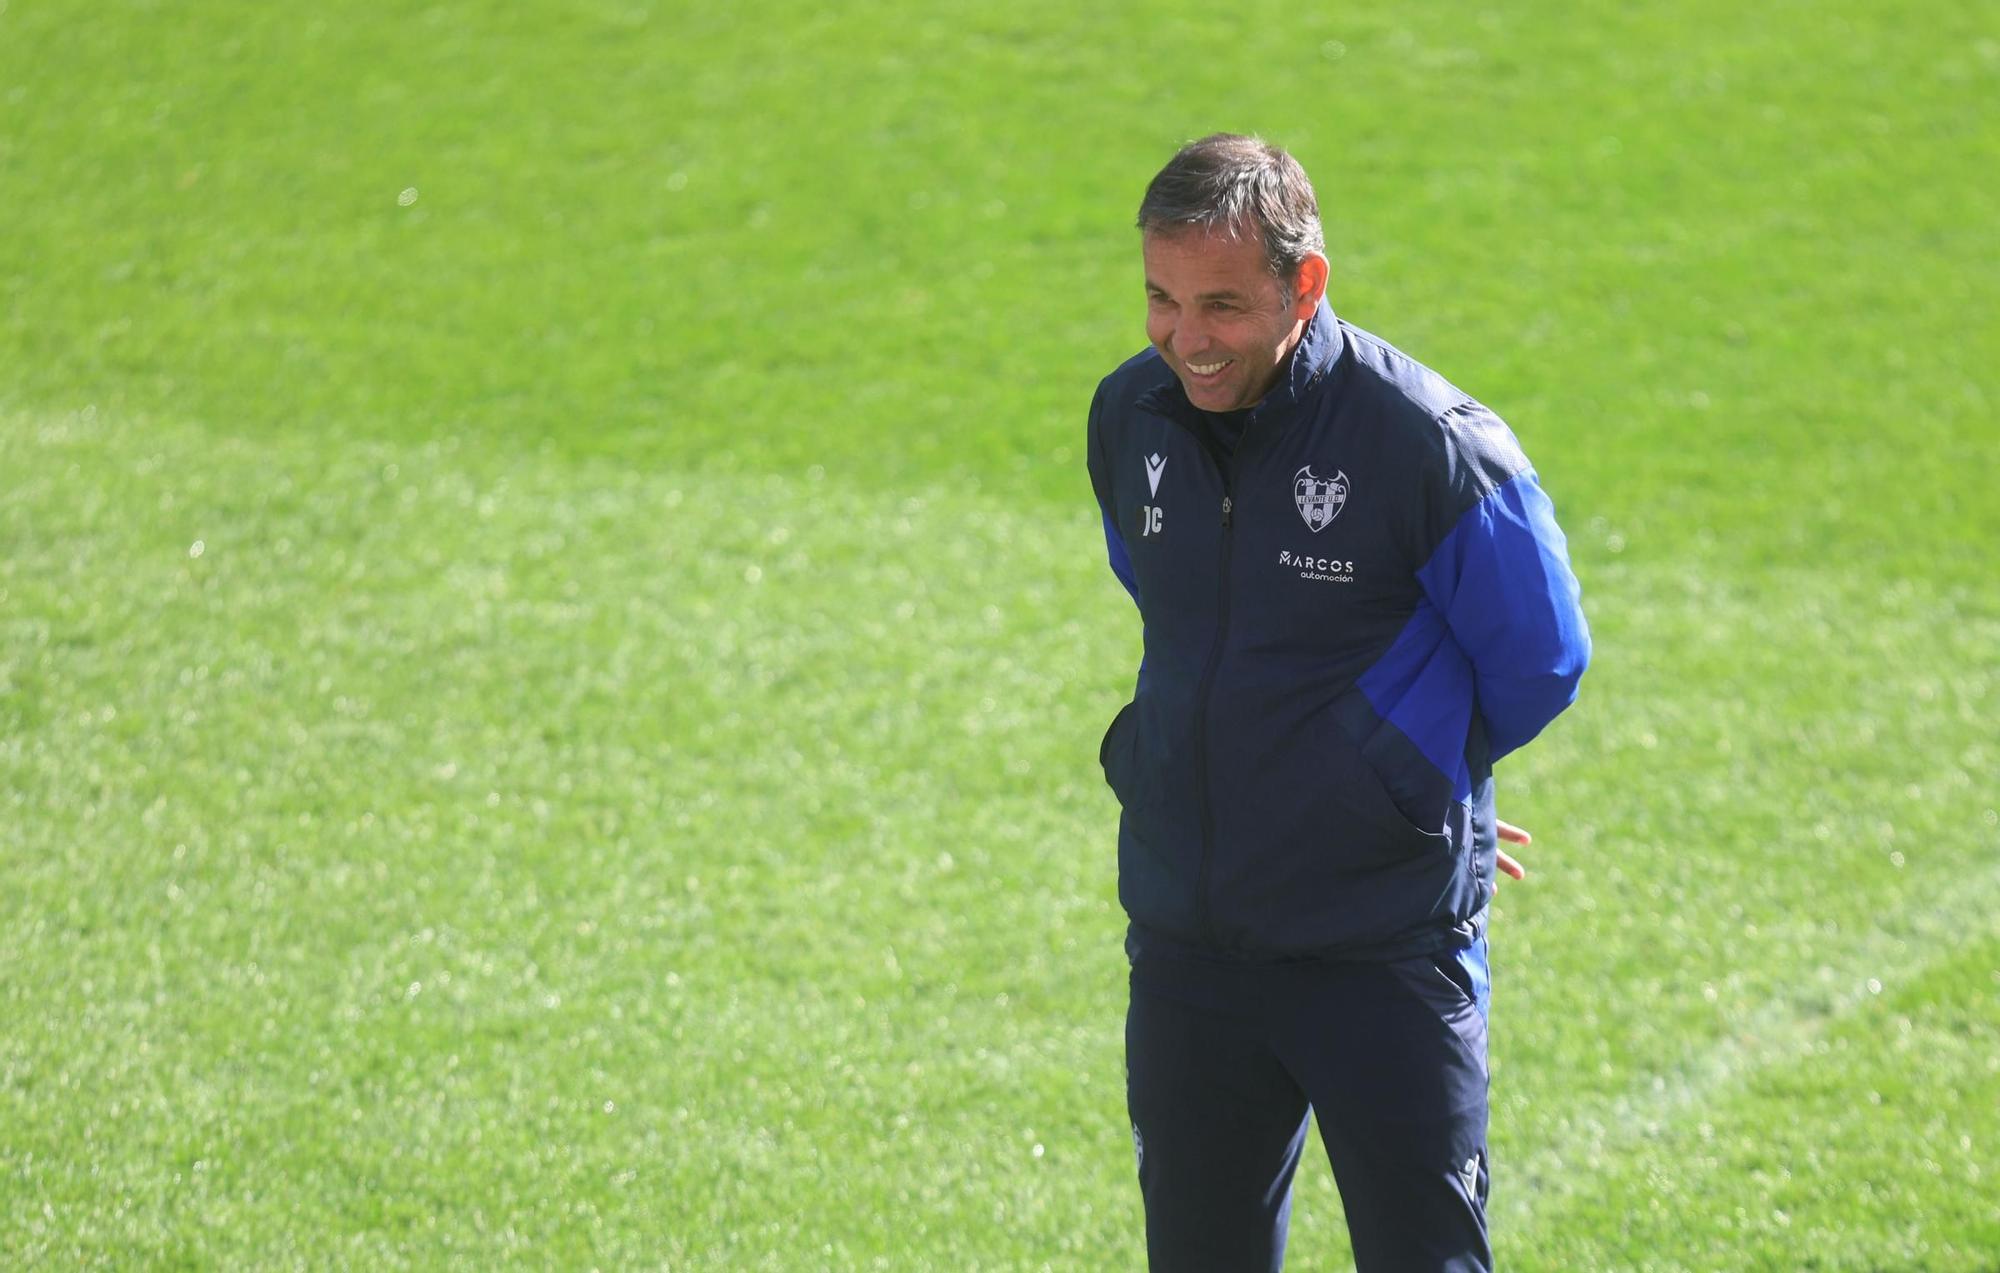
column 766, row 805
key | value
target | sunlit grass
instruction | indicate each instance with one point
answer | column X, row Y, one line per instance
column 473, row 853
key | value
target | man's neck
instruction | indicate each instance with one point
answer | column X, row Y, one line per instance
column 1282, row 366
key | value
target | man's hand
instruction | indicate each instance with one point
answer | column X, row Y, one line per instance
column 1512, row 835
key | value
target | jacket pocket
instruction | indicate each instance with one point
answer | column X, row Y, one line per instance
column 1117, row 755
column 1393, row 784
column 1362, row 792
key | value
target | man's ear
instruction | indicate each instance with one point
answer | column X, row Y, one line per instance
column 1310, row 286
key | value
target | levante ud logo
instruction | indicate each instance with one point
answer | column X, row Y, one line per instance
column 1320, row 499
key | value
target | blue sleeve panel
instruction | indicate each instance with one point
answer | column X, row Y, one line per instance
column 1501, row 578
column 1121, row 560
column 1100, row 483
column 1121, row 565
column 1501, row 626
column 1423, row 686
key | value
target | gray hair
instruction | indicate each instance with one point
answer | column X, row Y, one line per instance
column 1227, row 184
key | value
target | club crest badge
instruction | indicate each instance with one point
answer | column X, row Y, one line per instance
column 1320, row 499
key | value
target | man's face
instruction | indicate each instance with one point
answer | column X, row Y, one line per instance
column 1218, row 317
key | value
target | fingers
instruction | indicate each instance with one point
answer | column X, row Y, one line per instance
column 1511, row 833
column 1509, row 867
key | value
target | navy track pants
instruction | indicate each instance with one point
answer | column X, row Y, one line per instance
column 1226, row 1060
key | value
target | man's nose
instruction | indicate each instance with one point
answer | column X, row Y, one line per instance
column 1190, row 336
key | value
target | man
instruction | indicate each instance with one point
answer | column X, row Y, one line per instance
column 1355, row 600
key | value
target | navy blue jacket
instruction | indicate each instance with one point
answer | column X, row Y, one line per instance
column 1349, row 618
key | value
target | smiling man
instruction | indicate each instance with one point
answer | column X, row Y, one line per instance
column 1218, row 317
column 1355, row 600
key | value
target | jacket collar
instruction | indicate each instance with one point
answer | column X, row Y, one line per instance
column 1311, row 363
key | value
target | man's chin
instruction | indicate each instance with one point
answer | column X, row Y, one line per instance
column 1215, row 398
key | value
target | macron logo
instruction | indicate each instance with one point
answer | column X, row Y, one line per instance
column 1155, row 465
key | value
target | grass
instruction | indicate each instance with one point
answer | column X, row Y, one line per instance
column 547, row 720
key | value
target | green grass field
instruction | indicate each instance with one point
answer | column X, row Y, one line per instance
column 553, row 631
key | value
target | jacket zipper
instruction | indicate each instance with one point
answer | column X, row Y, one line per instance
column 1203, row 693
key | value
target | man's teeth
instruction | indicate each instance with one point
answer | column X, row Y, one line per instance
column 1207, row 368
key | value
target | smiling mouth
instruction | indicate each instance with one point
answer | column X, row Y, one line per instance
column 1207, row 368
